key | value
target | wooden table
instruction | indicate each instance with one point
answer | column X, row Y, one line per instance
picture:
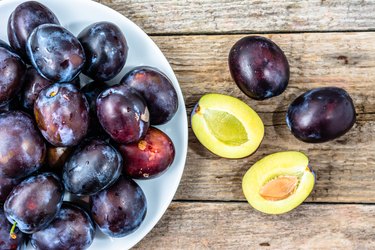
column 328, row 43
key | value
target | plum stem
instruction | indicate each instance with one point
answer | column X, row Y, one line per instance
column 11, row 233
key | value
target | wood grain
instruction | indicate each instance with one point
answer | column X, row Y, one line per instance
column 345, row 167
column 239, row 16
column 238, row 226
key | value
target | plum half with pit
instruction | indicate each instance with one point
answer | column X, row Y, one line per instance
column 71, row 229
column 259, row 67
column 92, row 167
column 34, row 202
column 157, row 90
column 55, row 53
column 321, row 114
column 123, row 113
column 120, row 209
column 62, row 114
column 24, row 19
column 149, row 157
column 22, row 148
column 106, row 50
column 279, row 182
column 12, row 70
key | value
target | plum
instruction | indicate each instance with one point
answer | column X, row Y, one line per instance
column 6, row 186
column 105, row 48
column 24, row 19
column 321, row 115
column 71, row 229
column 123, row 113
column 32, row 85
column 157, row 90
column 55, row 53
column 279, row 182
column 259, row 67
column 34, row 202
column 22, row 149
column 227, row 126
column 9, row 239
column 12, row 70
column 92, row 167
column 62, row 114
column 120, row 209
column 149, row 157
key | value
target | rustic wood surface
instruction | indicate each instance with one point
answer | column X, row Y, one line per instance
column 327, row 43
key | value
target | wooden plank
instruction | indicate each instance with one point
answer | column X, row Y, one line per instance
column 238, row 226
column 345, row 167
column 316, row 59
column 239, row 16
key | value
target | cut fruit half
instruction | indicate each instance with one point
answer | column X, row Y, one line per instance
column 279, row 182
column 227, row 126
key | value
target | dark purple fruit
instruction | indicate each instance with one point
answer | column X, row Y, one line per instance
column 8, row 242
column 120, row 209
column 55, row 53
column 71, row 229
column 106, row 50
column 92, row 91
column 22, row 149
column 34, row 203
column 321, row 114
column 62, row 114
column 92, row 167
column 12, row 70
column 259, row 67
column 6, row 186
column 123, row 113
column 24, row 19
column 149, row 157
column 56, row 157
column 32, row 85
column 157, row 90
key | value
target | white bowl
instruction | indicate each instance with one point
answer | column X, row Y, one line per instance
column 75, row 15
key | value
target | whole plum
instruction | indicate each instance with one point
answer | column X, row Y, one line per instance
column 105, row 48
column 34, row 202
column 259, row 67
column 22, row 149
column 71, row 229
column 55, row 53
column 157, row 90
column 123, row 113
column 24, row 19
column 149, row 157
column 62, row 114
column 12, row 70
column 120, row 209
column 321, row 114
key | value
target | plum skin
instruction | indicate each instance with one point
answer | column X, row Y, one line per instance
column 6, row 242
column 258, row 67
column 150, row 157
column 321, row 115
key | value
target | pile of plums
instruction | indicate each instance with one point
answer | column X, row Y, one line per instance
column 57, row 137
column 261, row 70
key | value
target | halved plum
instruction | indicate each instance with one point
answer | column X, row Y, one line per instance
column 279, row 182
column 227, row 126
